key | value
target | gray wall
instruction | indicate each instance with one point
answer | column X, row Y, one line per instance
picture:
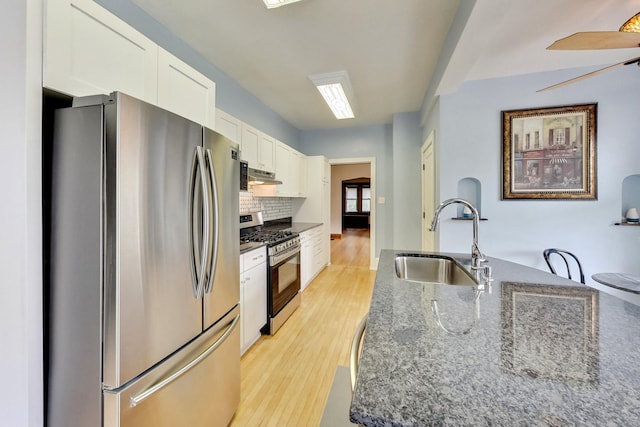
column 396, row 148
column 230, row 96
column 468, row 124
column 407, row 189
column 367, row 141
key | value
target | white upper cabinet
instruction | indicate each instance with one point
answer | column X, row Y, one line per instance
column 249, row 145
column 299, row 168
column 228, row 126
column 257, row 149
column 291, row 169
column 185, row 91
column 87, row 50
column 266, row 149
column 283, row 164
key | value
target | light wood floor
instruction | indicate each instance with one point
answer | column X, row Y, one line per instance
column 286, row 378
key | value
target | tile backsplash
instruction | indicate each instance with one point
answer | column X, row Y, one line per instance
column 271, row 207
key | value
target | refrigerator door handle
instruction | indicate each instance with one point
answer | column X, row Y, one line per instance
column 215, row 220
column 199, row 239
column 138, row 398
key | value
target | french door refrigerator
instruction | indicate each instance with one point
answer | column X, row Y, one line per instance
column 144, row 282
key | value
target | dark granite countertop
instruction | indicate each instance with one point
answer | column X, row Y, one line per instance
column 535, row 349
column 249, row 246
column 301, row 227
column 287, row 224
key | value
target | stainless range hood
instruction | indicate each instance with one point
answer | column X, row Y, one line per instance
column 260, row 177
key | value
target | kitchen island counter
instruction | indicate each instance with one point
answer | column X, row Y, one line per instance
column 531, row 349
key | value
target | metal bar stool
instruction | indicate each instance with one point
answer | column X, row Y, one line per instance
column 565, row 255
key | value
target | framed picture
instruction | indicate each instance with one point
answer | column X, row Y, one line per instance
column 550, row 332
column 549, row 153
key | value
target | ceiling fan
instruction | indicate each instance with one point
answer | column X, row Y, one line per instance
column 627, row 36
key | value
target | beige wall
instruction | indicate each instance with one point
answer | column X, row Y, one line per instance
column 340, row 173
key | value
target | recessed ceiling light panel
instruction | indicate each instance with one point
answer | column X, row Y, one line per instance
column 335, row 88
column 277, row 3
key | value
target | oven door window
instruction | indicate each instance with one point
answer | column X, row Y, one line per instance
column 287, row 274
column 285, row 282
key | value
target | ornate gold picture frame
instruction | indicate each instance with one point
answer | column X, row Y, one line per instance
column 549, row 153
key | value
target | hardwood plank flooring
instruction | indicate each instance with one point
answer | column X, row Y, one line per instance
column 352, row 249
column 286, row 378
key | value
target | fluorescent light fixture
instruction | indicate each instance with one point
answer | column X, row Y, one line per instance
column 277, row 3
column 335, row 88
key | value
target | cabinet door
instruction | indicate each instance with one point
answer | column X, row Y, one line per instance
column 318, row 263
column 184, row 91
column 249, row 145
column 228, row 126
column 306, row 259
column 302, row 174
column 88, row 50
column 266, row 150
column 254, row 301
column 283, row 158
column 243, row 311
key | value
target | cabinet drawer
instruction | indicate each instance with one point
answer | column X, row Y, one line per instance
column 252, row 258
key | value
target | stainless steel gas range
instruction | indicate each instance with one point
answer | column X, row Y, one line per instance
column 283, row 276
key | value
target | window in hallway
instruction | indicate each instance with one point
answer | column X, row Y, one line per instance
column 356, row 203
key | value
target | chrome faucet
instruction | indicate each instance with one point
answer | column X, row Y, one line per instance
column 477, row 258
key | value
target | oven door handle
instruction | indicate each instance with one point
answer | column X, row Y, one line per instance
column 277, row 259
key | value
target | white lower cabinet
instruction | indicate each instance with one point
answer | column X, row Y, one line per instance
column 306, row 259
column 312, row 259
column 315, row 208
column 253, row 296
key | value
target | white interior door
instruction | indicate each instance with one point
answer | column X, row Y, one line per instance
column 428, row 193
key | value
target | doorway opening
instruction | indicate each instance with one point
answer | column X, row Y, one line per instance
column 361, row 197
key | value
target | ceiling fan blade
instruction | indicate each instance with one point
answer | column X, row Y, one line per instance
column 593, row 40
column 591, row 74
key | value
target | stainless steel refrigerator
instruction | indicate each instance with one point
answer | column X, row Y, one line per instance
column 144, row 282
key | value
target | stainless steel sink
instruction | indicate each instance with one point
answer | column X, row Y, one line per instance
column 432, row 269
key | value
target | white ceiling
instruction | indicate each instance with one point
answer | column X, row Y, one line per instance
column 389, row 48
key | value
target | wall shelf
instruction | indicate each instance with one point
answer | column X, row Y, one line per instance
column 470, row 189
column 625, row 223
column 468, row 219
column 630, row 197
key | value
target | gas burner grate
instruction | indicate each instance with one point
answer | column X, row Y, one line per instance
column 268, row 236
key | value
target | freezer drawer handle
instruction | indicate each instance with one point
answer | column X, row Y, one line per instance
column 134, row 400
